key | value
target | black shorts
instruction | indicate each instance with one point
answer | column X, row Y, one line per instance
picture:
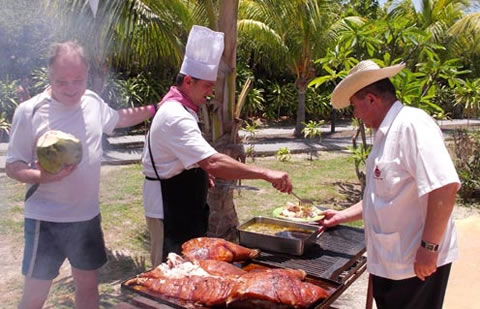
column 47, row 244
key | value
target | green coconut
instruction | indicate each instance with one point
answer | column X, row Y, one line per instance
column 57, row 150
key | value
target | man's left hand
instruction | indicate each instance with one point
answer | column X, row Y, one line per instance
column 425, row 263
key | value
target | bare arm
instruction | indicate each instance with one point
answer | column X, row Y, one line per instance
column 223, row 166
column 439, row 209
column 335, row 217
column 20, row 171
column 132, row 116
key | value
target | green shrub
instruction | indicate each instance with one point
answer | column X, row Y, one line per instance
column 283, row 154
column 8, row 98
column 467, row 162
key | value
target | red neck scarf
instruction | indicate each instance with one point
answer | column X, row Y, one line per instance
column 174, row 94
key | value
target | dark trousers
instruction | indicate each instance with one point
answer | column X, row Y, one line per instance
column 411, row 293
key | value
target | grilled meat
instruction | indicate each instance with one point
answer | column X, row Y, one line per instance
column 197, row 289
column 207, row 248
column 277, row 286
column 220, row 268
column 210, row 282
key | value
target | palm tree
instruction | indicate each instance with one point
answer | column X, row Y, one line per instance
column 290, row 33
column 137, row 34
column 132, row 34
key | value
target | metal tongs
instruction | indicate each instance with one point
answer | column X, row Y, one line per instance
column 303, row 201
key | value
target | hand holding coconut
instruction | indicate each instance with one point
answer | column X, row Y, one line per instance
column 57, row 150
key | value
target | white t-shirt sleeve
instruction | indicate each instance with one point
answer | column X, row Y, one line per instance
column 22, row 141
column 110, row 118
column 427, row 157
column 185, row 138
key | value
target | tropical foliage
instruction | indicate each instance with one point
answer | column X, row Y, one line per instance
column 292, row 53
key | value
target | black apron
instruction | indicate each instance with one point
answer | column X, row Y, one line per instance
column 185, row 208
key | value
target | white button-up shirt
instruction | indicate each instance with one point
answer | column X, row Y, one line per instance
column 408, row 160
column 177, row 145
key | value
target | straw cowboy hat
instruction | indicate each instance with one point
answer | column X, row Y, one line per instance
column 366, row 72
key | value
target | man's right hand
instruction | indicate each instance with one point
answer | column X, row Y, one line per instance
column 280, row 181
column 332, row 218
column 22, row 172
column 46, row 177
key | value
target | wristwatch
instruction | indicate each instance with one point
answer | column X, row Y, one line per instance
column 430, row 246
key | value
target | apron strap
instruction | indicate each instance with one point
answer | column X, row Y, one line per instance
column 151, row 158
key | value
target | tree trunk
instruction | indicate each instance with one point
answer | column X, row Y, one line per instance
column 300, row 111
column 223, row 217
column 333, row 120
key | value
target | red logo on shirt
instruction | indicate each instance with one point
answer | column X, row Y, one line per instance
column 377, row 172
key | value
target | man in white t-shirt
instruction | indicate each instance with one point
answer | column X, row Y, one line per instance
column 62, row 215
column 409, row 196
column 176, row 184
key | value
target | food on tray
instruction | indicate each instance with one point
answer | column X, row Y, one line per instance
column 57, row 149
column 277, row 230
column 220, row 268
column 300, row 213
column 211, row 282
column 277, row 286
column 208, row 248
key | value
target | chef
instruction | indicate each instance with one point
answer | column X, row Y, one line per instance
column 178, row 162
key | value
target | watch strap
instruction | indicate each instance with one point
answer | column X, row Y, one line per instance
column 430, row 246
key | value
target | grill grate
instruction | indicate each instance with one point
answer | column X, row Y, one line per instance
column 331, row 257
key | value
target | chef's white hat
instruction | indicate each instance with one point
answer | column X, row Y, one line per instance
column 203, row 52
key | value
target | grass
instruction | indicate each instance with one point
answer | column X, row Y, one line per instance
column 329, row 180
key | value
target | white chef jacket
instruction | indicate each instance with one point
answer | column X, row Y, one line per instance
column 408, row 160
column 177, row 145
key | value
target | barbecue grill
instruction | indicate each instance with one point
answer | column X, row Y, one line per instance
column 334, row 262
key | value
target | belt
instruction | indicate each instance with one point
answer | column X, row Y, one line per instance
column 151, row 178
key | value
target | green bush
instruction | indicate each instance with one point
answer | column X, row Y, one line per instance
column 8, row 98
column 283, row 154
column 467, row 162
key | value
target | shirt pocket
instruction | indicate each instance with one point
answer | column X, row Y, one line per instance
column 386, row 178
column 387, row 246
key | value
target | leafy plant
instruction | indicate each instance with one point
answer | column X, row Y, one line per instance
column 138, row 90
column 8, row 98
column 254, row 104
column 283, row 154
column 311, row 130
column 281, row 100
column 4, row 126
column 249, row 138
column 468, row 96
column 40, row 80
column 467, row 152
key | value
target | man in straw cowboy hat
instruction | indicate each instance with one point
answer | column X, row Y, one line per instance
column 177, row 160
column 409, row 195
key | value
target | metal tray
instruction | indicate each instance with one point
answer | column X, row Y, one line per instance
column 278, row 243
